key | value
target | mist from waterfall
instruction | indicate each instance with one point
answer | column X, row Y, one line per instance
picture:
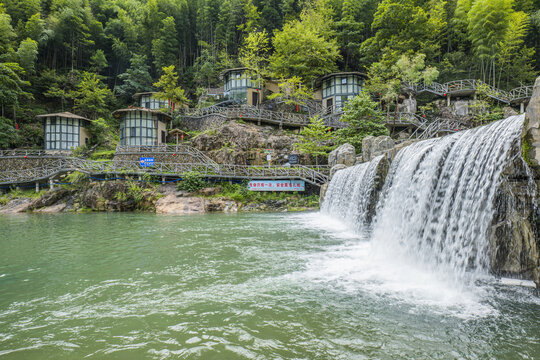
column 436, row 205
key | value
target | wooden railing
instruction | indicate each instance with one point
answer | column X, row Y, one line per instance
column 34, row 153
column 312, row 174
column 518, row 94
column 195, row 154
column 252, row 113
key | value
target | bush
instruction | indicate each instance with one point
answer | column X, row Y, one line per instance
column 102, row 155
column 192, row 181
column 77, row 178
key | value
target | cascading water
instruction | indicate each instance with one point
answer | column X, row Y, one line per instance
column 437, row 202
column 350, row 195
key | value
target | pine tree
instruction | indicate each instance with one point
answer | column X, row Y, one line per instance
column 315, row 139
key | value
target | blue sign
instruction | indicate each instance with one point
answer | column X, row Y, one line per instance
column 277, row 185
column 146, row 161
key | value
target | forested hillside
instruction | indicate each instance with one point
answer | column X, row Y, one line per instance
column 91, row 56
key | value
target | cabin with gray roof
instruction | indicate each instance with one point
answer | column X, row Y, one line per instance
column 64, row 131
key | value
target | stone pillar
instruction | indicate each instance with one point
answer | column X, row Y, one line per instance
column 163, row 179
column 448, row 100
column 37, row 186
column 51, row 183
column 521, row 108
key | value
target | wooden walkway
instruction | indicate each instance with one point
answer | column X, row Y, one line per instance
column 469, row 86
column 316, row 175
column 252, row 113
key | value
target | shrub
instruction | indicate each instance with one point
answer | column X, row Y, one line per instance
column 77, row 178
column 192, row 181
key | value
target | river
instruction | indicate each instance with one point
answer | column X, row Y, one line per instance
column 250, row 286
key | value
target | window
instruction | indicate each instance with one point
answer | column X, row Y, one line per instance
column 341, row 86
column 138, row 128
column 61, row 133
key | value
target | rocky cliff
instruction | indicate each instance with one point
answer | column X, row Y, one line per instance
column 242, row 143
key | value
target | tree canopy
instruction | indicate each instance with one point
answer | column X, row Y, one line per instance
column 48, row 48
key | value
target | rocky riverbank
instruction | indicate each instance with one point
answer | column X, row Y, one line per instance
column 163, row 199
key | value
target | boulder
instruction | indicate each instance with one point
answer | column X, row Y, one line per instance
column 16, row 206
column 375, row 146
column 52, row 209
column 408, row 106
column 322, row 193
column 171, row 204
column 509, row 111
column 531, row 129
column 335, row 169
column 209, row 191
column 345, row 154
column 221, row 205
column 50, row 198
column 460, row 108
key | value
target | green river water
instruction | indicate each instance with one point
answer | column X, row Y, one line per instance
column 254, row 286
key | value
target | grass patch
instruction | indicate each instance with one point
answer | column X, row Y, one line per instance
column 102, row 155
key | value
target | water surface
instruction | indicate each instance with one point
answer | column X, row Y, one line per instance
column 255, row 286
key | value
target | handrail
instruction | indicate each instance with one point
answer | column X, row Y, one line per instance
column 313, row 174
column 34, row 153
column 441, row 89
column 194, row 153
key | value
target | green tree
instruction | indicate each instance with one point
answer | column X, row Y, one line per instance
column 170, row 88
column 11, row 86
column 8, row 134
column 514, row 58
column 250, row 22
column 315, row 139
column 6, row 36
column 27, row 54
column 91, row 96
column 412, row 70
column 350, row 32
column 293, row 91
column 136, row 79
column 254, row 55
column 303, row 48
column 383, row 81
column 487, row 26
column 364, row 119
column 21, row 11
column 165, row 48
column 406, row 25
column 35, row 28
column 98, row 61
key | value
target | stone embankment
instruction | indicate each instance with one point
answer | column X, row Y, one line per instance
column 130, row 196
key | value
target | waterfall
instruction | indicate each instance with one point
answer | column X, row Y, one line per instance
column 436, row 205
column 351, row 194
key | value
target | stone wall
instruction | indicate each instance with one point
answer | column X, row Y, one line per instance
column 20, row 163
column 202, row 124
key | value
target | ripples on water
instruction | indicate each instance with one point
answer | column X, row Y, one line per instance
column 266, row 286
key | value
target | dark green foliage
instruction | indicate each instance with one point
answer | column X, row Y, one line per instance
column 192, row 181
column 136, row 79
column 50, row 50
column 8, row 134
column 364, row 119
